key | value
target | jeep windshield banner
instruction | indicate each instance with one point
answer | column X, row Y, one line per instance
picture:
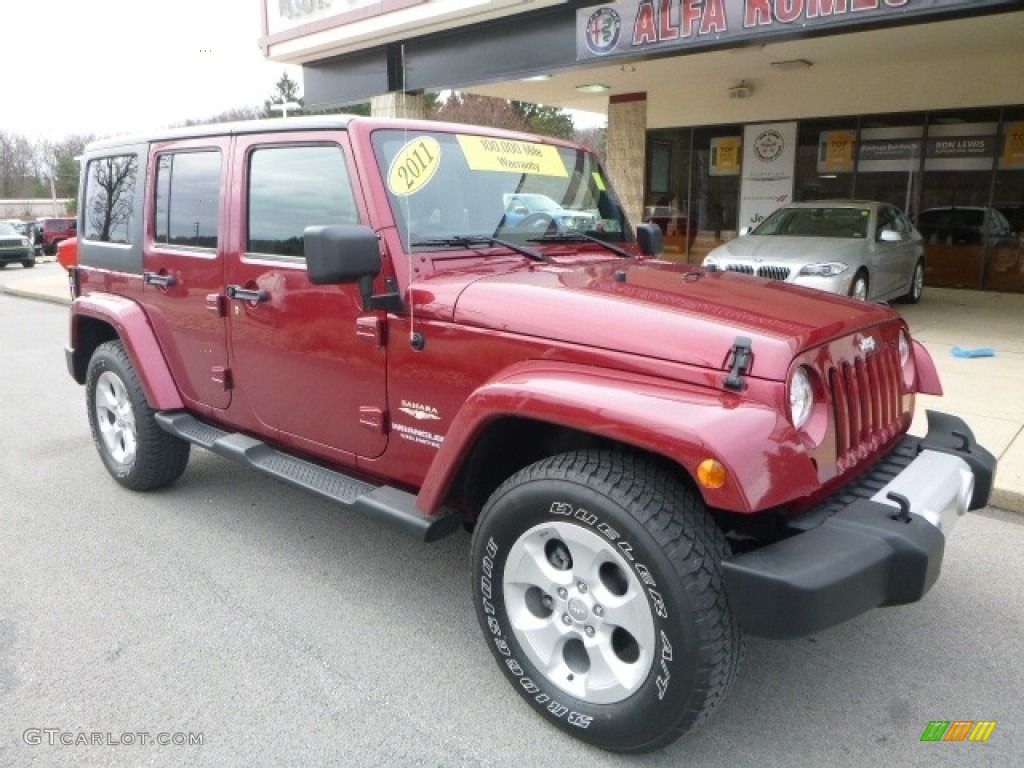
column 631, row 27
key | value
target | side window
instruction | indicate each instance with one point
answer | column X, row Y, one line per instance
column 291, row 188
column 187, row 199
column 109, row 194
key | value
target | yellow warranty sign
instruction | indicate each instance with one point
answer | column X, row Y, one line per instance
column 487, row 153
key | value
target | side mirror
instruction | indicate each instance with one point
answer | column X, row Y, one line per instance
column 651, row 239
column 341, row 254
column 890, row 236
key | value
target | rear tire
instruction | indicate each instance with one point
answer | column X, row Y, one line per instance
column 137, row 453
column 597, row 582
column 28, row 263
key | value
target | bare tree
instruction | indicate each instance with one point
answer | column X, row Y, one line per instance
column 18, row 176
column 480, row 110
column 111, row 205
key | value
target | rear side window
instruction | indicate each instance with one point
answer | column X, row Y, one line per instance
column 291, row 188
column 187, row 199
column 109, row 193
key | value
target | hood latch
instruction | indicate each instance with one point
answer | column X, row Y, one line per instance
column 740, row 357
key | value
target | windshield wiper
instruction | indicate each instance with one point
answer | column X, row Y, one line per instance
column 576, row 236
column 468, row 241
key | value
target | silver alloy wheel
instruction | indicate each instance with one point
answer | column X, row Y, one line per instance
column 115, row 418
column 579, row 612
column 917, row 288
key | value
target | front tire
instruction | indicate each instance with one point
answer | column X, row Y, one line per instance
column 597, row 582
column 137, row 453
column 859, row 286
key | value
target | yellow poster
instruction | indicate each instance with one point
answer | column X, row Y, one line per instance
column 835, row 151
column 1013, row 147
column 725, row 156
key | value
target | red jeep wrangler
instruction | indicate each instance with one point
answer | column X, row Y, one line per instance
column 52, row 231
column 654, row 458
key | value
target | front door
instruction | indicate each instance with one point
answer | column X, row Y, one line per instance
column 895, row 260
column 308, row 363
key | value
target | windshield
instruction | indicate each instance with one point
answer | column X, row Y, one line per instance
column 817, row 222
column 7, row 229
column 447, row 186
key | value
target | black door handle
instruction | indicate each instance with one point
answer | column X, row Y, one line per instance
column 247, row 294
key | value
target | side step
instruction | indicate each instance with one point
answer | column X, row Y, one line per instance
column 382, row 502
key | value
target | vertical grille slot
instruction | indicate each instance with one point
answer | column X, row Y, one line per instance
column 866, row 402
column 741, row 268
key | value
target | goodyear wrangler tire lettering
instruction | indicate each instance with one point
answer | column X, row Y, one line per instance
column 597, row 577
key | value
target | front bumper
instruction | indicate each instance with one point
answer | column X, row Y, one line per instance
column 877, row 542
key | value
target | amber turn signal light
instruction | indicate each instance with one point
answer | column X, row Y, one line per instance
column 711, row 474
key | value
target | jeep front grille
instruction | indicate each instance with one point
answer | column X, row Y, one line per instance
column 772, row 273
column 866, row 398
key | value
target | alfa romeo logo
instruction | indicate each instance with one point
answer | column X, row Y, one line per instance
column 769, row 145
column 603, row 30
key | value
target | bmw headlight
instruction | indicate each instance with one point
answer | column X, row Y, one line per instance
column 826, row 269
column 801, row 397
column 710, row 262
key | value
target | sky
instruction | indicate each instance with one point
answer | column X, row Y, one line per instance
column 107, row 67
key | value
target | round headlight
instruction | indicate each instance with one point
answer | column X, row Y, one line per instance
column 801, row 397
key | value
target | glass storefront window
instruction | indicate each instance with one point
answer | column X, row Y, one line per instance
column 667, row 201
column 955, row 218
column 717, row 156
column 959, row 176
column 825, row 159
column 889, row 159
column 1005, row 264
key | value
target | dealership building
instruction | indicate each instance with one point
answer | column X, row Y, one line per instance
column 719, row 111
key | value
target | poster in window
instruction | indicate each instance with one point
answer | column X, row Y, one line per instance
column 836, row 151
column 1013, row 147
column 725, row 156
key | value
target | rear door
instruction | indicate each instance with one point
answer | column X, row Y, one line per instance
column 308, row 363
column 183, row 266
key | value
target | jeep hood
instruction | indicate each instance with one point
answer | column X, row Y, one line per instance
column 663, row 311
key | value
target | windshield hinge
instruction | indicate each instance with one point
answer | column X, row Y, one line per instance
column 740, row 357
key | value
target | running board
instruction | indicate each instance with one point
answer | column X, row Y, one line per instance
column 381, row 502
